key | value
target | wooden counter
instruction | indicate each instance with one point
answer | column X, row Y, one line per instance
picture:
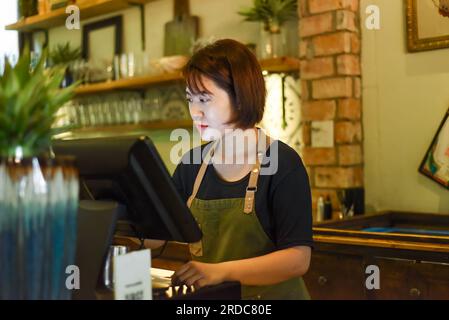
column 412, row 266
column 413, row 263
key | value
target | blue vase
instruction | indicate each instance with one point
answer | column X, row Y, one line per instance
column 38, row 215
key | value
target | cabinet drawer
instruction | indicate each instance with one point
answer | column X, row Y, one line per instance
column 436, row 278
column 408, row 279
column 396, row 280
column 333, row 276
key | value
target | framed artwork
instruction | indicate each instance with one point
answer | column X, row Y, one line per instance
column 435, row 164
column 102, row 40
column 108, row 33
column 427, row 24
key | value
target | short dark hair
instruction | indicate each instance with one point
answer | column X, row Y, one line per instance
column 234, row 68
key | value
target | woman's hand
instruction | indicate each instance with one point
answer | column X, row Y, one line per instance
column 199, row 274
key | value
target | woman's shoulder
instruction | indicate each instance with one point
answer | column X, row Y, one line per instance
column 286, row 167
column 284, row 156
column 288, row 155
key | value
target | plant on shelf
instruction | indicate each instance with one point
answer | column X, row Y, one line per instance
column 38, row 193
column 272, row 14
column 65, row 55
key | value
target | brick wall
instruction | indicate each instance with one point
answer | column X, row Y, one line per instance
column 331, row 90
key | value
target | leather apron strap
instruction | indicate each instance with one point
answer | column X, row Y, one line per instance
column 201, row 172
column 251, row 189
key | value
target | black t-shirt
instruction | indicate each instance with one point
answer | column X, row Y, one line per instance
column 283, row 199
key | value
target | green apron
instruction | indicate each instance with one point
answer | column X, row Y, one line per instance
column 232, row 231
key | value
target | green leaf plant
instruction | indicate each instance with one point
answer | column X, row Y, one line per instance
column 29, row 101
column 272, row 13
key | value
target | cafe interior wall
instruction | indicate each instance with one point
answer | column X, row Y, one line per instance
column 218, row 19
column 405, row 96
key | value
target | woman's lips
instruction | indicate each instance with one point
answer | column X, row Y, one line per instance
column 202, row 127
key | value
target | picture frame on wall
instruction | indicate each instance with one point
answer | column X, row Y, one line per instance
column 102, row 40
column 427, row 24
column 435, row 164
column 110, row 34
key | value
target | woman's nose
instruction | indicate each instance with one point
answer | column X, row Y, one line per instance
column 195, row 111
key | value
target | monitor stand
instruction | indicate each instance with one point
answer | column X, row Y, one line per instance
column 96, row 225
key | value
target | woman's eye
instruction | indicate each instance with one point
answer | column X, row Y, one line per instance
column 204, row 100
column 189, row 100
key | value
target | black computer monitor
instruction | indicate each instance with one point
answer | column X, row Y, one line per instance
column 130, row 171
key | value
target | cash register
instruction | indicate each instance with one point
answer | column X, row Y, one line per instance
column 126, row 189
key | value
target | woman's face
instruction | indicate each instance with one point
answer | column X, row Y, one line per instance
column 210, row 111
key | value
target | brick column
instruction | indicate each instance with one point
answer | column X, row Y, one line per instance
column 331, row 90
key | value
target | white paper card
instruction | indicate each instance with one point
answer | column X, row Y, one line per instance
column 161, row 273
column 322, row 134
column 132, row 279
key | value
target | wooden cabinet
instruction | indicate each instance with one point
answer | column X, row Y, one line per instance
column 411, row 266
column 397, row 280
column 334, row 276
column 410, row 279
column 436, row 280
column 340, row 276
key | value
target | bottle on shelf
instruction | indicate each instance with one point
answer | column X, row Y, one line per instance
column 327, row 208
column 320, row 209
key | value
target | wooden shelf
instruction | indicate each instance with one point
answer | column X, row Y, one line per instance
column 126, row 129
column 284, row 64
column 154, row 125
column 88, row 9
column 132, row 83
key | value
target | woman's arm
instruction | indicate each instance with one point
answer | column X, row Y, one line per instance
column 269, row 269
column 272, row 268
column 153, row 244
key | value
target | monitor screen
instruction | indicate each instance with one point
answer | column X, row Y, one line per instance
column 130, row 171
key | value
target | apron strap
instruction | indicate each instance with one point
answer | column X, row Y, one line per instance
column 254, row 176
column 201, row 172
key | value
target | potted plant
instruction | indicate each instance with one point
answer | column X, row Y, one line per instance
column 272, row 14
column 38, row 194
column 64, row 55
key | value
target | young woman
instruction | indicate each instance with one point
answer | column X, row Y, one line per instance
column 256, row 223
